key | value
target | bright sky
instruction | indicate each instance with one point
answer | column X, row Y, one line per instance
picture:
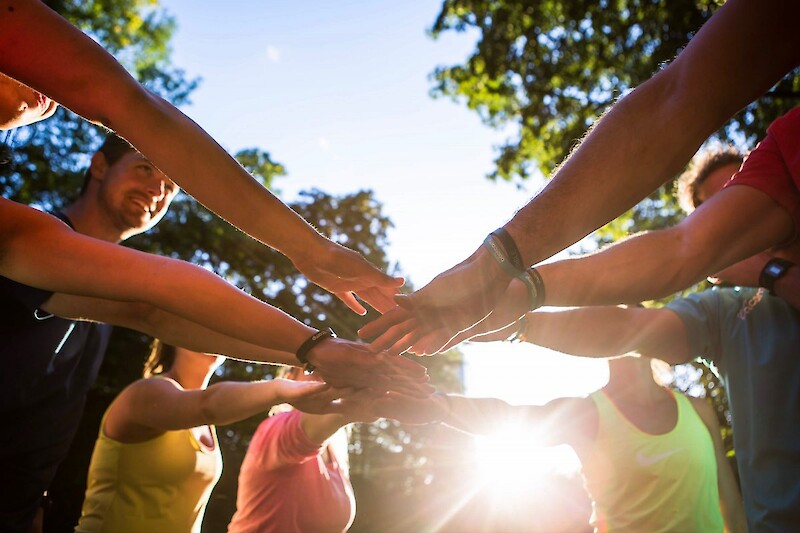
column 338, row 93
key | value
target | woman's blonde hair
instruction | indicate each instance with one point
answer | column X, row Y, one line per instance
column 161, row 358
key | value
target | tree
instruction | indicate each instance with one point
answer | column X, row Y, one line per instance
column 45, row 159
column 44, row 164
column 550, row 68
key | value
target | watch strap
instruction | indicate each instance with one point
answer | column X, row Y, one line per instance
column 774, row 270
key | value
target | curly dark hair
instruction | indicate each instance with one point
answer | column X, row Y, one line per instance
column 700, row 169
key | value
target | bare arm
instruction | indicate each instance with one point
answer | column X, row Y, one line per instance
column 150, row 407
column 319, row 428
column 42, row 50
column 168, row 327
column 649, row 135
column 730, row 499
column 644, row 140
column 570, row 421
column 41, row 251
column 733, row 225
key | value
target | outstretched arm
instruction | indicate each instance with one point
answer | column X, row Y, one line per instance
column 152, row 406
column 733, row 225
column 38, row 250
column 561, row 421
column 42, row 50
column 643, row 141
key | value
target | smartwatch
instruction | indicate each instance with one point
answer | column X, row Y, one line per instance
column 774, row 270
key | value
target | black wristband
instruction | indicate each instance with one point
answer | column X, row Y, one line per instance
column 535, row 284
column 510, row 247
column 774, row 270
column 498, row 253
column 313, row 340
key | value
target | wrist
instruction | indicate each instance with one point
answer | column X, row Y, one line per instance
column 774, row 270
column 304, row 353
column 503, row 250
column 307, row 249
column 442, row 408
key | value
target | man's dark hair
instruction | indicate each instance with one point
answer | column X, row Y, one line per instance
column 700, row 169
column 113, row 148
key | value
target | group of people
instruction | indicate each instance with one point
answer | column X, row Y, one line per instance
column 652, row 459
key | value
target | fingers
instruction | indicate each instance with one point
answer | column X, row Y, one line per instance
column 380, row 298
column 391, row 317
column 396, row 339
column 350, row 301
column 432, row 343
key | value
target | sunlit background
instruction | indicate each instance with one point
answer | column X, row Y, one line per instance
column 339, row 93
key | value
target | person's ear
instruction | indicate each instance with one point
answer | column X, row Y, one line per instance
column 98, row 166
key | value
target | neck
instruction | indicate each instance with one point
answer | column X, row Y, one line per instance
column 88, row 220
column 190, row 376
column 631, row 377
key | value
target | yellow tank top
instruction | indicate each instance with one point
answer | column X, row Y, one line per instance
column 162, row 484
column 642, row 482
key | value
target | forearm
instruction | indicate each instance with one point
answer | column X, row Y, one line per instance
column 611, row 331
column 319, row 428
column 42, row 252
column 215, row 179
column 178, row 331
column 75, row 71
column 651, row 133
column 479, row 416
column 588, row 332
column 620, row 161
column 644, row 267
column 230, row 401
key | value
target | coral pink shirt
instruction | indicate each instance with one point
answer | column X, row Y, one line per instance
column 286, row 486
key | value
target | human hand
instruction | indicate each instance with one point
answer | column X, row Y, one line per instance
column 347, row 274
column 455, row 300
column 501, row 323
column 312, row 397
column 343, row 363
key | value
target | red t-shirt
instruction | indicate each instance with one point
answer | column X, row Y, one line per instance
column 773, row 167
column 285, row 486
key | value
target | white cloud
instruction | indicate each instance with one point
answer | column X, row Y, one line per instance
column 273, row 54
column 324, row 144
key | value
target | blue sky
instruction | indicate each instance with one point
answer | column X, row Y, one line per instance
column 338, row 92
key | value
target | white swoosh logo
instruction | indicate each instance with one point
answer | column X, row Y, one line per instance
column 647, row 460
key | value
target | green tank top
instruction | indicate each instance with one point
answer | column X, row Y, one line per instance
column 643, row 482
column 162, row 484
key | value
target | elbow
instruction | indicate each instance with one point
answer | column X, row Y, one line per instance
column 145, row 317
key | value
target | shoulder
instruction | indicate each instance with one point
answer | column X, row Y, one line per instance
column 577, row 417
column 148, row 388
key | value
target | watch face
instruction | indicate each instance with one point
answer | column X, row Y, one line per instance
column 774, row 270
